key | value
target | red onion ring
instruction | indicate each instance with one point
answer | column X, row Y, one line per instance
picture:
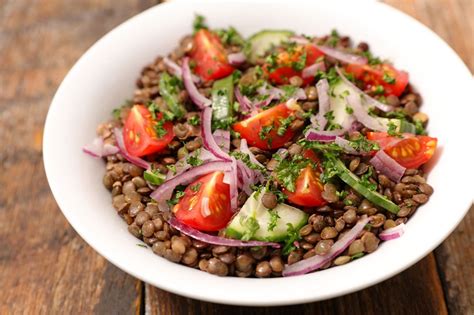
column 361, row 114
column 322, row 135
column 215, row 240
column 207, row 138
column 312, row 70
column 236, row 59
column 316, row 262
column 176, row 70
column 192, row 90
column 245, row 104
column 319, row 120
column 387, row 166
column 392, row 233
column 98, row 148
column 368, row 100
column 342, row 56
column 123, row 151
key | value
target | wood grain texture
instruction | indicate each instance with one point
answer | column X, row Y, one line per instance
column 453, row 20
column 415, row 291
column 45, row 267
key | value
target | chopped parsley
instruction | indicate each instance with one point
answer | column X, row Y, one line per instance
column 292, row 236
column 389, row 79
column 117, row 112
column 199, row 23
column 251, row 227
column 419, row 129
column 193, row 159
column 398, row 114
column 333, row 39
column 273, row 220
column 329, row 168
column 263, row 133
column 179, row 193
column 196, row 187
column 331, row 125
column 300, row 64
column 246, row 159
column 284, row 124
column 332, row 77
column 362, row 144
column 349, row 110
column 142, row 245
column 194, row 120
column 392, row 130
column 379, row 89
column 154, row 177
column 159, row 129
column 224, row 124
column 172, row 168
column 364, row 180
column 230, row 36
column 371, row 59
column 288, row 170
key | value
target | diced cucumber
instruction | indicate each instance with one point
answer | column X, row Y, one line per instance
column 259, row 43
column 253, row 209
column 339, row 107
column 352, row 180
column 222, row 98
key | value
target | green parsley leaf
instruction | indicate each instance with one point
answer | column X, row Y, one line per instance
column 196, row 187
column 288, row 170
column 199, row 23
column 194, row 120
column 251, row 227
column 263, row 133
column 179, row 193
column 273, row 220
column 292, row 236
column 364, row 180
column 230, row 36
column 379, row 89
column 392, row 130
column 389, row 79
column 193, row 159
column 284, row 124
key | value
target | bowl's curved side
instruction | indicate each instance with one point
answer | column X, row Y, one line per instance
column 104, row 77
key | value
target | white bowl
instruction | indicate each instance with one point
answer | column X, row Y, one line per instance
column 104, row 77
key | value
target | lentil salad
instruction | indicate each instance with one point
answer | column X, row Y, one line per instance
column 276, row 155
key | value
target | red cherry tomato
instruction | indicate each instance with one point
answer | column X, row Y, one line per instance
column 393, row 81
column 206, row 204
column 140, row 134
column 308, row 189
column 210, row 56
column 286, row 64
column 261, row 130
column 411, row 152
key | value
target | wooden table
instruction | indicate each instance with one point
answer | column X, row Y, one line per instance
column 45, row 267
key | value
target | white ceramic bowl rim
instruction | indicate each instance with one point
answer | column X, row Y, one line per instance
column 104, row 77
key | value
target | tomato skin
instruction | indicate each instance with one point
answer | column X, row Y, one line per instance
column 283, row 73
column 308, row 189
column 190, row 208
column 374, row 75
column 411, row 152
column 139, row 135
column 210, row 56
column 251, row 128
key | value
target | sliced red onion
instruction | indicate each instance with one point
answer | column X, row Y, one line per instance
column 387, row 166
column 176, row 70
column 322, row 135
column 316, row 262
column 361, row 114
column 192, row 90
column 245, row 104
column 342, row 56
column 215, row 240
column 123, row 151
column 236, row 59
column 319, row 120
column 392, row 233
column 345, row 145
column 100, row 149
column 182, row 165
column 244, row 148
column 207, row 138
column 222, row 138
column 276, row 93
column 232, row 178
column 165, row 190
column 311, row 71
column 368, row 100
column 248, row 177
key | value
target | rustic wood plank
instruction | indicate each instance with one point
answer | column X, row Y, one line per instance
column 452, row 20
column 45, row 267
column 394, row 296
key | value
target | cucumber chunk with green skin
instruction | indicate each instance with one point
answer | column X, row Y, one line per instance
column 259, row 43
column 272, row 225
column 222, row 98
column 341, row 109
column 352, row 180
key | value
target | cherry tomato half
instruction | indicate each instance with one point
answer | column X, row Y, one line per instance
column 262, row 129
column 411, row 152
column 140, row 135
column 210, row 56
column 308, row 189
column 393, row 81
column 206, row 203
